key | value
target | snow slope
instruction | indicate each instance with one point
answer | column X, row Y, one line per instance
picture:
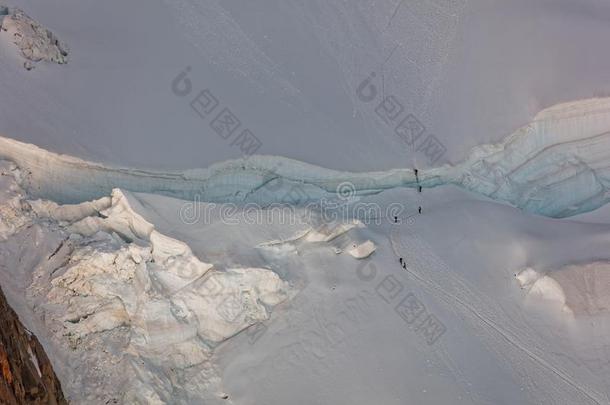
column 345, row 324
column 98, row 274
column 471, row 71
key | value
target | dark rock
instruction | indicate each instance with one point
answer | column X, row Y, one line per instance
column 21, row 380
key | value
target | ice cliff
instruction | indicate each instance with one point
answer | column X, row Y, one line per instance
column 125, row 309
column 555, row 166
column 558, row 165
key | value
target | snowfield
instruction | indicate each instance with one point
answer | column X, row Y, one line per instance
column 140, row 298
column 470, row 71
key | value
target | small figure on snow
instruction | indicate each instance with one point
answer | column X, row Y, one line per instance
column 419, row 210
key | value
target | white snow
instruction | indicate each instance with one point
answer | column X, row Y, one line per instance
column 120, row 277
column 139, row 302
column 362, row 250
column 471, row 72
column 70, row 213
column 527, row 277
column 329, row 231
column 117, row 292
column 543, row 287
column 578, row 289
column 113, row 314
column 98, row 260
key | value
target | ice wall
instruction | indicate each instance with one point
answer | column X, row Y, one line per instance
column 555, row 166
column 260, row 179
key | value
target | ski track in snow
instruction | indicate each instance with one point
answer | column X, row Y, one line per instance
column 436, row 277
column 556, row 166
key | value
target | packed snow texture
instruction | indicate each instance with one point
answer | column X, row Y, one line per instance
column 555, row 166
column 35, row 42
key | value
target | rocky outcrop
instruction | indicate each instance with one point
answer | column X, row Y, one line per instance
column 35, row 42
column 27, row 376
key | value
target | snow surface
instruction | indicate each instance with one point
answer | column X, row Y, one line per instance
column 109, row 264
column 544, row 287
column 471, row 71
column 134, row 313
column 362, row 250
column 341, row 326
column 580, row 289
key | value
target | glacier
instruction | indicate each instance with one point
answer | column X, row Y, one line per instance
column 116, row 292
column 555, row 166
column 131, row 314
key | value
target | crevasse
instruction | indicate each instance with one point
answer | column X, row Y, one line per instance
column 557, row 166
